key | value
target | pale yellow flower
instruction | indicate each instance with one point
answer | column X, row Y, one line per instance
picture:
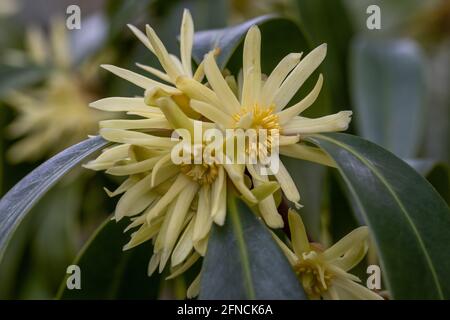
column 324, row 273
column 173, row 205
column 260, row 103
column 56, row 114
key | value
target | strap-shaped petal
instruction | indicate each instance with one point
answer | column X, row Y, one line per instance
column 186, row 41
column 155, row 72
column 184, row 245
column 179, row 184
column 277, row 76
column 212, row 113
column 298, row 76
column 203, row 219
column 287, row 184
column 220, row 86
column 198, row 91
column 142, row 37
column 252, row 67
column 288, row 113
column 122, row 104
column 138, row 79
column 304, row 152
column 331, row 123
column 299, row 238
column 162, row 54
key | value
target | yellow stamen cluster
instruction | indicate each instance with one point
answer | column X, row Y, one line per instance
column 202, row 173
column 262, row 118
column 313, row 274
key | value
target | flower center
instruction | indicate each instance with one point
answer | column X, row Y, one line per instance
column 313, row 274
column 256, row 117
column 264, row 122
column 202, row 173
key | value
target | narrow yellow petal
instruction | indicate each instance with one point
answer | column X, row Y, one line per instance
column 174, row 115
column 304, row 152
column 357, row 237
column 184, row 246
column 287, row 185
column 299, row 238
column 134, row 137
column 251, row 67
column 331, row 123
column 277, row 76
column 143, row 234
column 186, row 41
column 124, row 186
column 108, row 157
column 212, row 113
column 162, row 54
column 126, row 205
column 177, row 219
column 153, row 264
column 298, row 76
column 269, row 212
column 194, row 288
column 138, row 79
column 203, row 218
column 141, row 36
column 180, row 183
column 216, row 80
column 356, row 291
column 155, row 72
column 123, row 104
column 133, row 168
column 178, row 270
column 154, row 123
column 236, row 175
column 198, row 91
column 287, row 114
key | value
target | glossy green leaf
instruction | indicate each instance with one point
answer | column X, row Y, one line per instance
column 244, row 262
column 108, row 272
column 409, row 221
column 227, row 39
column 388, row 91
column 437, row 173
column 24, row 195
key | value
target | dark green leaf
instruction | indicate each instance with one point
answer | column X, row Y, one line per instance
column 227, row 39
column 23, row 196
column 337, row 33
column 244, row 262
column 388, row 90
column 437, row 173
column 312, row 192
column 409, row 221
column 107, row 272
